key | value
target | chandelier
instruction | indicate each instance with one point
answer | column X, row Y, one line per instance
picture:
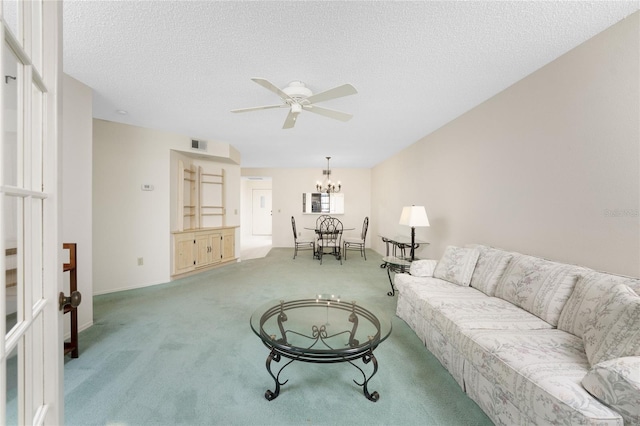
column 328, row 186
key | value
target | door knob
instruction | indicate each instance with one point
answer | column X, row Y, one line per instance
column 73, row 300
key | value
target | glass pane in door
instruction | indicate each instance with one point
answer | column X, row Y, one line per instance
column 35, row 251
column 10, row 81
column 10, row 15
column 37, row 361
column 13, row 270
column 12, row 388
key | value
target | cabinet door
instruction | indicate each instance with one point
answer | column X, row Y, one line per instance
column 184, row 256
column 204, row 250
column 208, row 248
column 216, row 247
column 228, row 244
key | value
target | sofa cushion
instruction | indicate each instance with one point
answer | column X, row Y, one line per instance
column 588, row 292
column 457, row 265
column 423, row 267
column 489, row 268
column 414, row 292
column 615, row 330
column 540, row 371
column 617, row 383
column 420, row 288
column 537, row 285
column 490, row 313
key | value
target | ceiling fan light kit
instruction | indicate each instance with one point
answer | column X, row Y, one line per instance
column 297, row 96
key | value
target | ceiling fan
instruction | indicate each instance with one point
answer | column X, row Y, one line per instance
column 297, row 97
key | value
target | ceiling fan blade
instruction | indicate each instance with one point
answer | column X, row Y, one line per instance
column 270, row 86
column 259, row 108
column 331, row 113
column 290, row 120
column 336, row 92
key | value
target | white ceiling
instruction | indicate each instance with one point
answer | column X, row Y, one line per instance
column 181, row 66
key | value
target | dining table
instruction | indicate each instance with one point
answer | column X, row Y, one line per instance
column 319, row 233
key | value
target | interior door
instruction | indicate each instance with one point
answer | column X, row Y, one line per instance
column 261, row 212
column 30, row 246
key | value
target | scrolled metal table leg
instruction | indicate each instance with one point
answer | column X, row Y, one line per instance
column 366, row 358
column 274, row 356
column 393, row 289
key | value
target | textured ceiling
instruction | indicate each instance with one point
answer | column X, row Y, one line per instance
column 181, row 66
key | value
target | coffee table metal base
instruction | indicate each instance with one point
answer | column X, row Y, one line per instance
column 367, row 358
column 321, row 338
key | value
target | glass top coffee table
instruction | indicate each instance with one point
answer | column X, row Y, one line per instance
column 323, row 329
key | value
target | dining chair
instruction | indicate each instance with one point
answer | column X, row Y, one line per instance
column 357, row 243
column 318, row 222
column 300, row 244
column 320, row 219
column 330, row 238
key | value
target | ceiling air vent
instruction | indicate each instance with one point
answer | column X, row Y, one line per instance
column 199, row 145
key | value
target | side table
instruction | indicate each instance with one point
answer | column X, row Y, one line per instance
column 397, row 265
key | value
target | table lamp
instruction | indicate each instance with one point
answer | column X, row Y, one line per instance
column 414, row 216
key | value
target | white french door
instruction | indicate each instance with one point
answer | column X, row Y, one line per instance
column 31, row 357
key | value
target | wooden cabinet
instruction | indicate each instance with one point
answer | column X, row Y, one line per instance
column 203, row 248
column 228, row 244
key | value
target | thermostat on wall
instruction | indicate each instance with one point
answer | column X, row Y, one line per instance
column 147, row 187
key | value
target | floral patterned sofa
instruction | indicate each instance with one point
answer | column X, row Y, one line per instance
column 533, row 342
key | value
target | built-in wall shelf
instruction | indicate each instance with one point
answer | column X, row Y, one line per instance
column 187, row 195
column 201, row 197
column 202, row 240
column 212, row 196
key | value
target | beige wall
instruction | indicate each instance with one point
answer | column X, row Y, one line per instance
column 288, row 185
column 129, row 223
column 76, row 169
column 550, row 166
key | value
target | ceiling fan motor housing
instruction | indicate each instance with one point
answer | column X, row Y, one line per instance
column 297, row 90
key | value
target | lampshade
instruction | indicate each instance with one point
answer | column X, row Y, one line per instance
column 414, row 216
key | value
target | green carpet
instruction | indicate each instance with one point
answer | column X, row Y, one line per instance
column 184, row 353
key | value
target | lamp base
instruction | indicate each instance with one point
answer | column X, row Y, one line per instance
column 413, row 242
